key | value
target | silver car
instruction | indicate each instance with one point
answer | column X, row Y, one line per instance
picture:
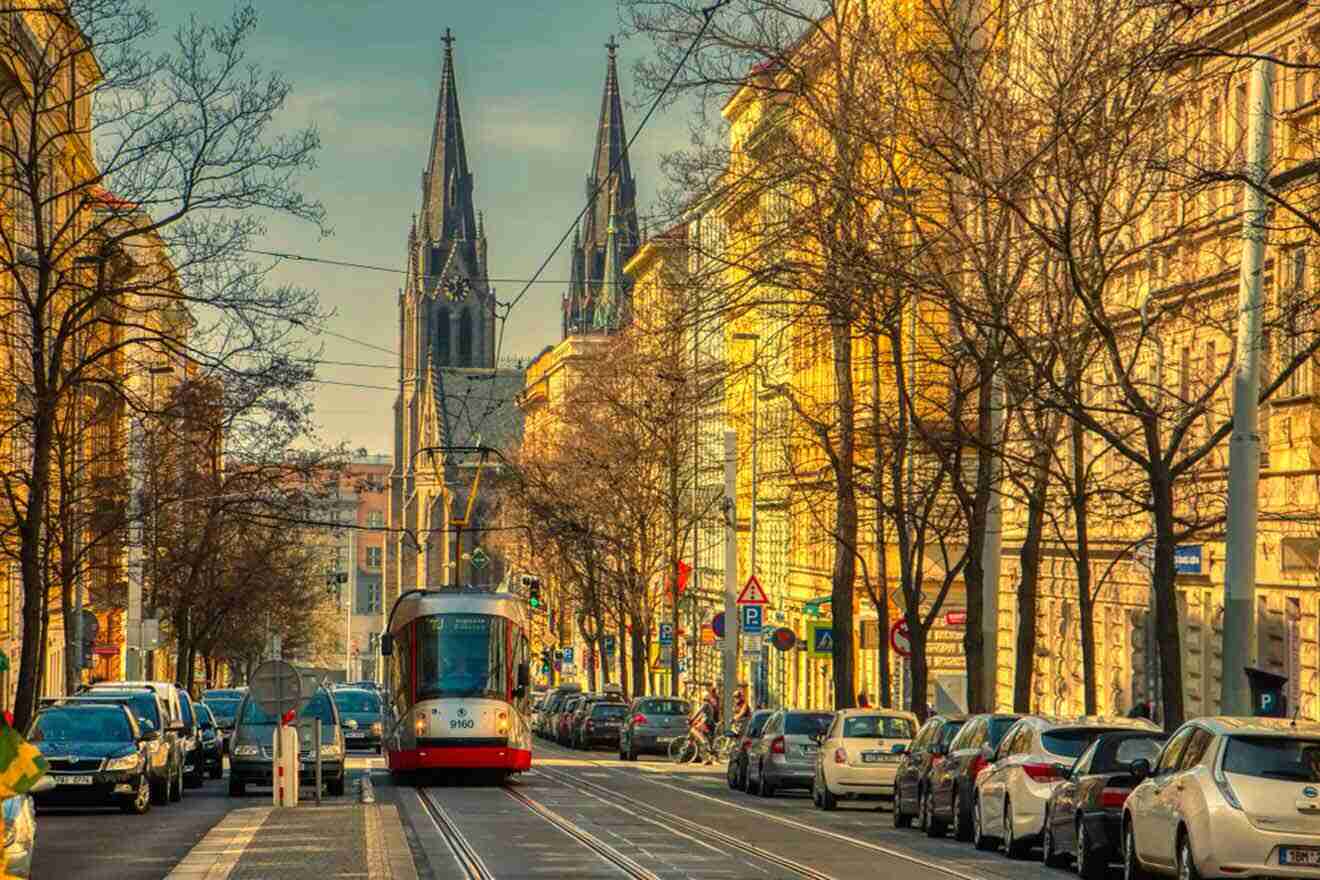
column 21, row 829
column 651, row 724
column 785, row 754
column 1033, row 757
column 1228, row 797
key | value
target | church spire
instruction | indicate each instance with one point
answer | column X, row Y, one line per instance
column 609, row 164
column 447, row 211
column 609, row 302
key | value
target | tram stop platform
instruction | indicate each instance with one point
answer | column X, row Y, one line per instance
column 308, row 842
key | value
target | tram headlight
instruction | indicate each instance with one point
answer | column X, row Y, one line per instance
column 419, row 723
column 502, row 722
column 377, row 728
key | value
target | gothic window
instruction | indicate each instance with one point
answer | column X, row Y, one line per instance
column 465, row 338
column 442, row 338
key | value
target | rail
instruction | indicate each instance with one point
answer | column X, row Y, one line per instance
column 469, row 860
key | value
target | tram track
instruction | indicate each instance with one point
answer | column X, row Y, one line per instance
column 469, row 860
column 746, row 848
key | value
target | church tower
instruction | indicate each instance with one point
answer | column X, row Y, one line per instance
column 609, row 236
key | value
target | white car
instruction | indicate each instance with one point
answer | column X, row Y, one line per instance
column 1032, row 758
column 859, row 755
column 1228, row 797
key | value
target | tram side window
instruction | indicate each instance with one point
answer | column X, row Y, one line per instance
column 464, row 655
column 402, row 678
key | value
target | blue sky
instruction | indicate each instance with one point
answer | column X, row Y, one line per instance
column 365, row 72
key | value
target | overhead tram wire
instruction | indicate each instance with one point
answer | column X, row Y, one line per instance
column 707, row 15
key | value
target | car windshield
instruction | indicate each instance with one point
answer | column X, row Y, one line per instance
column 82, row 725
column 608, row 710
column 185, row 708
column 999, row 727
column 873, row 726
column 224, row 708
column 1274, row 757
column 358, row 702
column 1132, row 749
column 950, row 730
column 663, row 707
column 317, row 707
column 204, row 716
column 142, row 704
column 464, row 655
column 807, row 724
column 1069, row 743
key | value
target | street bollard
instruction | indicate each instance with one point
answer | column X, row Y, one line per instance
column 318, row 761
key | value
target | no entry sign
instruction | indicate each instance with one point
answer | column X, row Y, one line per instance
column 899, row 639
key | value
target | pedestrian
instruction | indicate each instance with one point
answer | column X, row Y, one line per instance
column 711, row 718
column 862, row 701
column 742, row 709
column 1140, row 710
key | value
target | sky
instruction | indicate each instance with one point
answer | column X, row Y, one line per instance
column 366, row 74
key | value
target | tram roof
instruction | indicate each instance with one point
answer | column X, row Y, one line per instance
column 458, row 599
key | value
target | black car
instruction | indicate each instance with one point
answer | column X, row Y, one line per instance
column 577, row 725
column 602, row 725
column 224, row 706
column 250, row 761
column 953, row 780
column 913, row 775
column 737, row 769
column 213, row 747
column 651, row 725
column 1084, row 814
column 360, row 716
column 194, row 758
column 148, row 707
column 98, row 755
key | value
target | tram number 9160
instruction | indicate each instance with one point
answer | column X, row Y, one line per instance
column 461, row 724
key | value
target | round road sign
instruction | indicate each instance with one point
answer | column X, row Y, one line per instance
column 717, row 624
column 784, row 638
column 899, row 639
column 277, row 687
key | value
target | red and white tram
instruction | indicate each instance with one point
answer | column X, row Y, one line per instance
column 458, row 680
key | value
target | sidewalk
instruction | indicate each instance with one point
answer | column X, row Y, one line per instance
column 307, row 842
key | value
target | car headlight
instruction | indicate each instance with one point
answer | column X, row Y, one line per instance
column 247, row 749
column 126, row 762
column 330, row 750
column 377, row 728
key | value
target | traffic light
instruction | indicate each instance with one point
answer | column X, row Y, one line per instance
column 533, row 585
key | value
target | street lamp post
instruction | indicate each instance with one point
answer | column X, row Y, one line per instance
column 755, row 339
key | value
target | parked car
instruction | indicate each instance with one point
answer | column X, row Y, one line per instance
column 21, row 829
column 1029, row 763
column 912, row 778
column 564, row 718
column 224, row 706
column 953, row 779
column 602, row 725
column 213, row 747
column 577, row 724
column 737, row 769
column 555, row 701
column 98, row 755
column 360, row 715
column 149, row 708
column 785, row 754
column 1084, row 814
column 548, row 707
column 1228, row 797
column 251, row 763
column 859, row 755
column 651, row 724
column 181, row 721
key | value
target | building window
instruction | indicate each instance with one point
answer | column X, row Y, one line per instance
column 375, row 556
column 442, row 338
column 465, row 339
column 375, row 520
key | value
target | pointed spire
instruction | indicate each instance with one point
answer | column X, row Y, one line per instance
column 447, row 212
column 611, row 292
column 609, row 164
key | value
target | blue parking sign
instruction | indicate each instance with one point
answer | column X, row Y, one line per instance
column 568, row 654
column 666, row 633
column 752, row 617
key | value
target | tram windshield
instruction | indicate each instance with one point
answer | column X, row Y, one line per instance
column 464, row 655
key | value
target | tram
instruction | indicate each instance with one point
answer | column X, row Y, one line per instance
column 458, row 680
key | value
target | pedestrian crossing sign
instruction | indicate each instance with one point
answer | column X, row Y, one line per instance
column 820, row 639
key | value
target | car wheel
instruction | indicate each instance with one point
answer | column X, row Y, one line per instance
column 1132, row 869
column 1014, row 847
column 923, row 819
column 140, row 803
column 962, row 831
column 176, row 786
column 763, row 788
column 1090, row 866
column 1048, row 857
column 935, row 827
column 901, row 819
column 827, row 799
column 237, row 788
column 745, row 776
column 160, row 792
column 217, row 771
column 335, row 787
column 980, row 840
column 1186, row 864
column 731, row 775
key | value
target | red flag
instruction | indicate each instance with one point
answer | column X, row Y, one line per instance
column 684, row 572
column 289, row 716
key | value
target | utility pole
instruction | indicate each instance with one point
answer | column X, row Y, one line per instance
column 348, row 604
column 133, row 624
column 731, row 622
column 991, row 558
column 1244, row 446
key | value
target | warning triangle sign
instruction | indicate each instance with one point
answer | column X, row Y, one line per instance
column 752, row 594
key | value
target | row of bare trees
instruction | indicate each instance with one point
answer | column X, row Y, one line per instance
column 1002, row 237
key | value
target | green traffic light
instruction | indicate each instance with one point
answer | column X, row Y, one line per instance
column 534, row 602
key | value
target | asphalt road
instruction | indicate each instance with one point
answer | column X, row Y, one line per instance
column 586, row 814
column 105, row 844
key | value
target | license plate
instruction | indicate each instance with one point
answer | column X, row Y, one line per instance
column 1299, row 855
column 73, row 780
column 664, row 740
column 879, row 758
column 356, row 735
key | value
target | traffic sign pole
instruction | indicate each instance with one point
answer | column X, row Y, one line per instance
column 730, row 573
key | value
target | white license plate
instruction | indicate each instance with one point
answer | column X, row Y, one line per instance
column 73, row 780
column 879, row 758
column 1299, row 855
column 664, row 740
column 356, row 735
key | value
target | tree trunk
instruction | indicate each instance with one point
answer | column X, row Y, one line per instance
column 31, row 541
column 979, row 694
column 845, row 519
column 637, row 640
column 1167, row 634
column 1024, row 666
column 1082, row 560
column 622, row 641
column 881, row 542
column 918, row 700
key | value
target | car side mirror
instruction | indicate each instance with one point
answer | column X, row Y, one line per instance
column 1140, row 769
column 818, row 738
column 149, row 736
column 386, row 645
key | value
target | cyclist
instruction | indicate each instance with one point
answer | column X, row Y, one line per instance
column 710, row 718
column 742, row 709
